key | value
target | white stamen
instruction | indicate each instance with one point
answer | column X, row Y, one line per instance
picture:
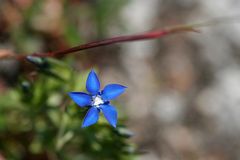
column 96, row 101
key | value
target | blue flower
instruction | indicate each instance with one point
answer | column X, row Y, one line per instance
column 98, row 101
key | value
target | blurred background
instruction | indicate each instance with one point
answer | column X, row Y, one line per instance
column 183, row 97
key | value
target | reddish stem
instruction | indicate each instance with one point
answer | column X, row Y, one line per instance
column 120, row 39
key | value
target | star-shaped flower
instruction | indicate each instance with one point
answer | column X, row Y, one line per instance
column 98, row 101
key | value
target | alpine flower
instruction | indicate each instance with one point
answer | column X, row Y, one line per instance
column 98, row 101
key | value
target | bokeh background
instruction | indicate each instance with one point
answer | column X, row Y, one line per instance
column 183, row 97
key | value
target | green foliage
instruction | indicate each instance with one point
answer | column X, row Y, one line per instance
column 39, row 119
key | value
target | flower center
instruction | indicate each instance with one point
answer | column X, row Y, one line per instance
column 97, row 100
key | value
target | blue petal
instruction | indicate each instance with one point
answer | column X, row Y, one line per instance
column 110, row 114
column 91, row 117
column 93, row 84
column 82, row 99
column 112, row 91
